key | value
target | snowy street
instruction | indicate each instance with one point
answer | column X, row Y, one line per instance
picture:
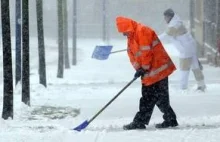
column 87, row 87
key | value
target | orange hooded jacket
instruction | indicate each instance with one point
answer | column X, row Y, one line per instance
column 145, row 51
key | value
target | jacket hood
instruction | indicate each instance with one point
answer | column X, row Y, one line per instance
column 175, row 20
column 125, row 24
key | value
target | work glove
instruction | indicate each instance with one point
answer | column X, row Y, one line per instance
column 139, row 72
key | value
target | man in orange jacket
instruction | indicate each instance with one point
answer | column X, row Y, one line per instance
column 153, row 65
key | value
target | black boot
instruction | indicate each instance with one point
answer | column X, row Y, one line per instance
column 134, row 125
column 166, row 124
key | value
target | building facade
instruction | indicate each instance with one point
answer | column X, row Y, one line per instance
column 205, row 27
column 90, row 15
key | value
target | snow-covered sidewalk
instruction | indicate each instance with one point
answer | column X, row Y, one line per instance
column 88, row 86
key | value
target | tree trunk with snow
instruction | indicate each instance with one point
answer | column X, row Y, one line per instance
column 65, row 36
column 60, row 39
column 218, row 21
column 18, row 41
column 104, row 24
column 41, row 47
column 25, row 53
column 7, row 62
column 74, row 34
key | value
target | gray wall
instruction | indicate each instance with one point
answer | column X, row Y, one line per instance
column 89, row 25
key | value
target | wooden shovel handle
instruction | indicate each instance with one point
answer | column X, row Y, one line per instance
column 118, row 51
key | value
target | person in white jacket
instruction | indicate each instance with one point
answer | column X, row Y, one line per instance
column 177, row 33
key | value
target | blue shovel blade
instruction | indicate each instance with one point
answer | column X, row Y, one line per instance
column 102, row 52
column 82, row 126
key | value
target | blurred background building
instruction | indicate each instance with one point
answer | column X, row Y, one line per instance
column 90, row 15
column 201, row 16
column 205, row 26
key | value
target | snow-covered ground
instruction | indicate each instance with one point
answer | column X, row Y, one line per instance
column 87, row 87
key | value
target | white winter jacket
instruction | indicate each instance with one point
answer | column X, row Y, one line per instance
column 180, row 37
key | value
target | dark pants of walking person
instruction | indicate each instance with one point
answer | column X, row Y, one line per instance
column 156, row 94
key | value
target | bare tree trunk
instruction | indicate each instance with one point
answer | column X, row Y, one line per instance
column 104, row 24
column 218, row 19
column 18, row 41
column 218, row 33
column 192, row 23
column 25, row 59
column 41, row 47
column 74, row 59
column 60, row 39
column 7, row 62
column 65, row 36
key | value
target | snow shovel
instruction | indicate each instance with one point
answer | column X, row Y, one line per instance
column 87, row 122
column 103, row 52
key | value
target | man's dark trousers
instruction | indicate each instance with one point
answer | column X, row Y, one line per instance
column 156, row 94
